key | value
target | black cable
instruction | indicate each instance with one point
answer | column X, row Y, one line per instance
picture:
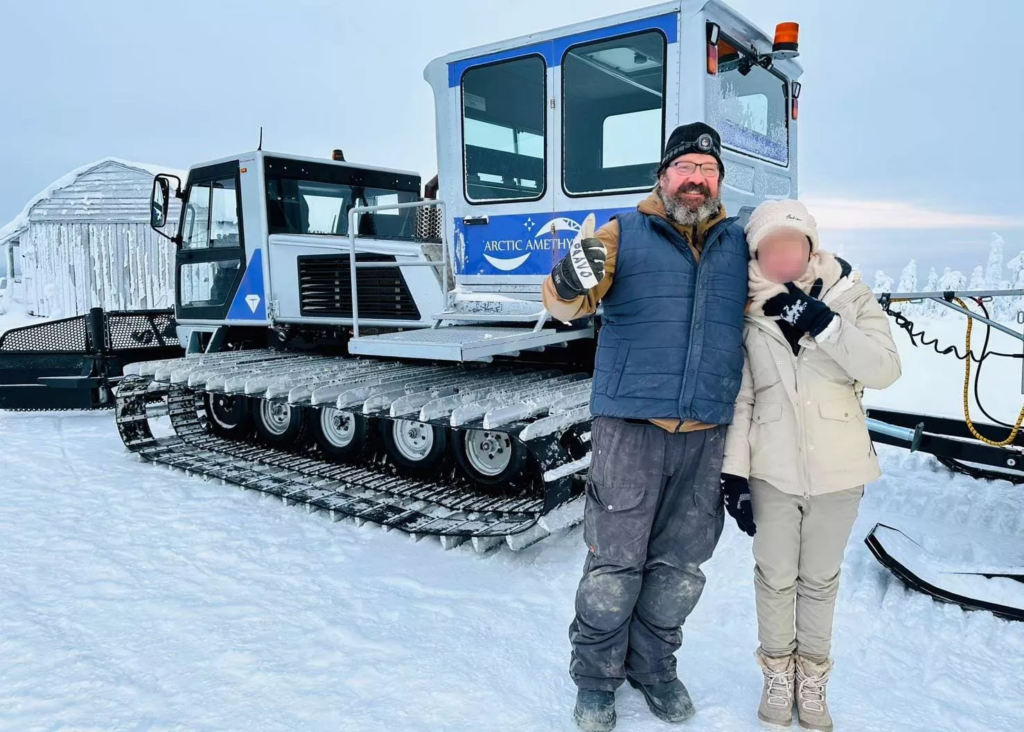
column 981, row 362
column 908, row 325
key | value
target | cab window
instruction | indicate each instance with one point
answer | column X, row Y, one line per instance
column 503, row 130
column 749, row 105
column 316, row 198
column 211, row 215
column 613, row 110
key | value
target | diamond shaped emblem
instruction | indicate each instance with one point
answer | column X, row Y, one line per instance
column 252, row 301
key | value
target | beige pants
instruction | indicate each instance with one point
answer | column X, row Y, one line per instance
column 799, row 548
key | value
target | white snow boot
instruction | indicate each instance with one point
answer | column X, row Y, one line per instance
column 811, row 704
column 777, row 695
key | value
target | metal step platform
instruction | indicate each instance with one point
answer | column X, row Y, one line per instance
column 463, row 343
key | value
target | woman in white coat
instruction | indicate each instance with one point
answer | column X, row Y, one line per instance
column 798, row 452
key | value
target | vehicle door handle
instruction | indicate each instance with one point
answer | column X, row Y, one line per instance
column 476, row 220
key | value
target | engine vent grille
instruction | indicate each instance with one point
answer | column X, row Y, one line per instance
column 325, row 289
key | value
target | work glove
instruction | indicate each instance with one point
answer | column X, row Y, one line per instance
column 803, row 311
column 737, row 502
column 581, row 269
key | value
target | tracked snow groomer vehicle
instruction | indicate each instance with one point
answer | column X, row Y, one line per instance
column 384, row 355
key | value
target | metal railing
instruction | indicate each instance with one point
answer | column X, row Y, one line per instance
column 353, row 265
column 945, row 299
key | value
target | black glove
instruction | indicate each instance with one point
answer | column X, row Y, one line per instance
column 581, row 269
column 737, row 502
column 803, row 311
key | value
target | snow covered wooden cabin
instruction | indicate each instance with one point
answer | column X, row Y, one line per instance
column 85, row 241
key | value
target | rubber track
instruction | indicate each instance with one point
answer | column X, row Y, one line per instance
column 367, row 493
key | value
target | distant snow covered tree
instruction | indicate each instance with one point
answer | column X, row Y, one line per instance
column 951, row 280
column 978, row 281
column 929, row 308
column 994, row 272
column 1015, row 281
column 1015, row 266
column 997, row 273
column 908, row 277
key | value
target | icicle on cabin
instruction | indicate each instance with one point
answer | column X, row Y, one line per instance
column 85, row 241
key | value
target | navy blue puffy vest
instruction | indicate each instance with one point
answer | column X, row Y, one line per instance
column 671, row 342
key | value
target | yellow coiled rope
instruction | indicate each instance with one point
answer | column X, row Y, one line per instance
column 967, row 391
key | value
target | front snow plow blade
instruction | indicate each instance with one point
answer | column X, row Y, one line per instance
column 997, row 588
column 72, row 363
column 542, row 412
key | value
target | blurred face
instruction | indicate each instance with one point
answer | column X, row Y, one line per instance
column 784, row 255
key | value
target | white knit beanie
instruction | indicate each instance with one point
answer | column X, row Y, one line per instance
column 772, row 216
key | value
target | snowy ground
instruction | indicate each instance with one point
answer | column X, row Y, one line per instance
column 13, row 314
column 135, row 598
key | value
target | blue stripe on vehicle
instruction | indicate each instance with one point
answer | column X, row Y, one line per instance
column 524, row 243
column 250, row 287
column 553, row 50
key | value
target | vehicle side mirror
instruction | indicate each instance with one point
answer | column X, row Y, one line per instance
column 159, row 202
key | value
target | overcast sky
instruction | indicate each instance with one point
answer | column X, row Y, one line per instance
column 911, row 140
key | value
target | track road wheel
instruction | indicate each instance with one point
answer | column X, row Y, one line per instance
column 342, row 435
column 280, row 424
column 416, row 447
column 489, row 458
column 229, row 415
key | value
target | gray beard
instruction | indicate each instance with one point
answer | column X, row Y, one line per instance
column 684, row 215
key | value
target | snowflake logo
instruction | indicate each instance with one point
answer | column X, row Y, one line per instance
column 793, row 312
column 529, row 224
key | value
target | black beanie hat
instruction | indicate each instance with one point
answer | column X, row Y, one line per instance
column 695, row 137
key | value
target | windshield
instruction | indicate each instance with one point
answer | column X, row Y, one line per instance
column 315, row 198
column 748, row 105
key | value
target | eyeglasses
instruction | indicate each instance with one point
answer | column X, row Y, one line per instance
column 684, row 167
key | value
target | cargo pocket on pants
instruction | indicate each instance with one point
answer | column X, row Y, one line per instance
column 626, row 462
column 709, row 501
column 616, row 527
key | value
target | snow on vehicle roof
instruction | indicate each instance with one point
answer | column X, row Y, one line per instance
column 20, row 222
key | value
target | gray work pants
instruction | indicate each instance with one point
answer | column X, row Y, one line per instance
column 653, row 515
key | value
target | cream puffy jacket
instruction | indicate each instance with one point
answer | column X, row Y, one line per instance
column 799, row 422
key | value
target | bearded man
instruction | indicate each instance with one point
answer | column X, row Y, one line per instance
column 671, row 278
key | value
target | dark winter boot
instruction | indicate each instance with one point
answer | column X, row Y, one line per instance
column 595, row 710
column 669, row 701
